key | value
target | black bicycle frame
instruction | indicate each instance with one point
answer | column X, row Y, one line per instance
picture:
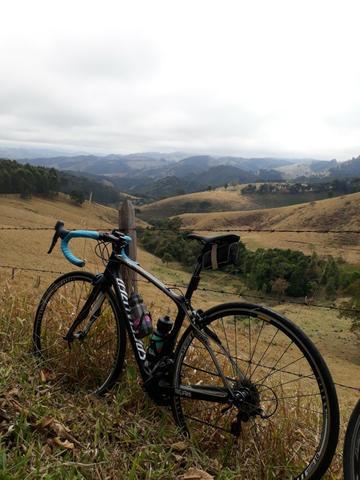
column 111, row 278
column 112, row 275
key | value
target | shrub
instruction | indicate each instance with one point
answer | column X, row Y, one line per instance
column 352, row 306
column 166, row 241
column 77, row 196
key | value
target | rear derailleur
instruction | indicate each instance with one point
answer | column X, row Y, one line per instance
column 247, row 401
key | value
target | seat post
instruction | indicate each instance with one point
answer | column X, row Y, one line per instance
column 194, row 281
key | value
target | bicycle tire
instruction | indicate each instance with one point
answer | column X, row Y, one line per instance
column 322, row 456
column 87, row 377
column 351, row 457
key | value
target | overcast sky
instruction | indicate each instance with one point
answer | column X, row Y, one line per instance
column 228, row 77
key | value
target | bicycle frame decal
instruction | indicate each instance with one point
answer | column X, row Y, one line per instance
column 125, row 301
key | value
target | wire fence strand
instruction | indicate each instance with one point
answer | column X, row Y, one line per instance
column 219, row 291
column 243, row 293
column 225, row 292
column 205, row 229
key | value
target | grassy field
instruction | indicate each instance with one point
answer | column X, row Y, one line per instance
column 221, row 199
column 48, row 431
column 340, row 213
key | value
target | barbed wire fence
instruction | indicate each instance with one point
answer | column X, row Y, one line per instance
column 127, row 228
column 205, row 229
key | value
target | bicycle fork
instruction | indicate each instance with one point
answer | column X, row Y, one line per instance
column 92, row 309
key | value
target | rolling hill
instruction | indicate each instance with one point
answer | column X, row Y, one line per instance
column 339, row 213
column 221, row 199
column 29, row 247
column 214, row 200
column 154, row 176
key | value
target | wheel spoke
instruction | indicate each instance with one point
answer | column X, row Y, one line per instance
column 195, row 419
column 248, row 369
column 278, row 382
column 265, row 352
column 227, row 343
column 272, row 369
column 90, row 360
column 207, row 371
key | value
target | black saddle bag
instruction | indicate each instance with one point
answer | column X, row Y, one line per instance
column 220, row 255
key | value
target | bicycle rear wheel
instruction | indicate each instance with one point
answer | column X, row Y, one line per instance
column 282, row 418
column 351, row 457
column 93, row 362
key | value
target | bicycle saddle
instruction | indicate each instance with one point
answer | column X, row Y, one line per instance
column 227, row 238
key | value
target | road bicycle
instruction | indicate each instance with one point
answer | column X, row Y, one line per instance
column 240, row 378
column 351, row 457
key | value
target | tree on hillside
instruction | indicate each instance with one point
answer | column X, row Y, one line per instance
column 279, row 286
column 249, row 189
column 77, row 196
column 167, row 258
column 166, row 241
column 27, row 179
column 331, row 278
column 351, row 307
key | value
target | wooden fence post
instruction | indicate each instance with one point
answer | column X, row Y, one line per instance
column 127, row 224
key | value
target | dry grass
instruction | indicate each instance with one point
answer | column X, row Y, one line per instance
column 123, row 435
column 340, row 213
column 28, row 248
column 219, row 199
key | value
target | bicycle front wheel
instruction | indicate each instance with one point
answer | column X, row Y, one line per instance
column 351, row 457
column 92, row 361
column 253, row 390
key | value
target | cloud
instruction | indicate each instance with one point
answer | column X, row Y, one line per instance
column 247, row 78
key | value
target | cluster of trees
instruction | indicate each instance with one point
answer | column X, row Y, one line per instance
column 288, row 272
column 339, row 187
column 351, row 306
column 274, row 270
column 79, row 188
column 27, row 179
column 30, row 180
column 271, row 271
column 165, row 240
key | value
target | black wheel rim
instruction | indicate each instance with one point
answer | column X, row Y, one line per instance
column 294, row 437
column 87, row 363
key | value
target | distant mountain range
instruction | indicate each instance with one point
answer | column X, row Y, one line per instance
column 156, row 175
column 156, row 165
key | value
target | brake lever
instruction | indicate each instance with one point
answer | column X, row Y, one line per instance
column 59, row 225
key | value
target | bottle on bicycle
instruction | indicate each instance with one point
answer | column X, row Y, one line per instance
column 141, row 317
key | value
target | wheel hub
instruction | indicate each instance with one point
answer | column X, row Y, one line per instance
column 247, row 399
